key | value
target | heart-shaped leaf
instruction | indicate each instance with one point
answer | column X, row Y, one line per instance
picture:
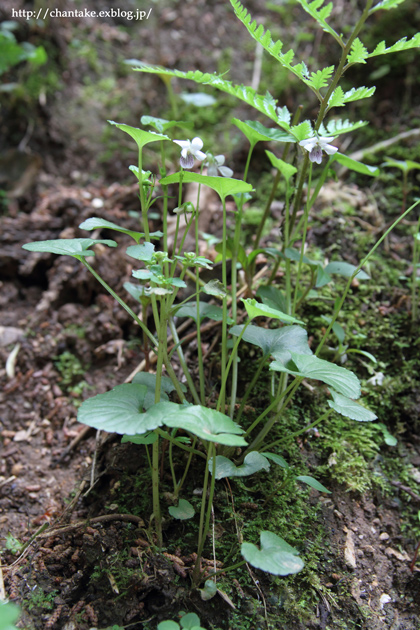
column 76, row 247
column 190, row 621
column 120, row 411
column 346, row 270
column 147, row 438
column 216, row 288
column 256, row 309
column 94, row 223
column 350, row 409
column 272, row 296
column 9, row 613
column 253, row 463
column 183, row 511
column 149, row 380
column 140, row 136
column 313, row 483
column 277, row 342
column 211, row 311
column 142, row 252
column 209, row 590
column 224, row 186
column 136, row 291
column 276, row 556
column 207, row 424
column 277, row 459
column 286, row 169
column 310, row 366
column 356, row 166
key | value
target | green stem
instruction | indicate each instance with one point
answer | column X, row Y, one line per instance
column 231, row 358
column 187, row 467
column 302, row 248
column 414, row 282
column 250, row 387
column 205, row 518
column 222, row 399
column 297, row 433
column 183, row 362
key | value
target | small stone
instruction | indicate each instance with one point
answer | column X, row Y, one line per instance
column 97, row 203
column 349, row 551
column 17, row 469
column 369, row 550
column 384, row 536
column 384, row 599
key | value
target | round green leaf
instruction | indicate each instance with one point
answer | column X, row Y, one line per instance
column 209, row 590
column 147, row 438
column 310, row 366
column 76, row 247
column 183, row 511
column 190, row 620
column 207, row 424
column 168, row 625
column 346, row 270
column 277, row 342
column 350, row 409
column 120, row 411
column 253, row 463
column 9, row 613
column 275, row 555
column 142, row 252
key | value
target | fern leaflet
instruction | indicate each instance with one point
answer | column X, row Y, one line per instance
column 386, row 5
column 320, row 78
column 358, row 53
column 401, row 44
column 321, row 16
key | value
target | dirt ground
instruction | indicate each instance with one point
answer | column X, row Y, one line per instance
column 58, row 481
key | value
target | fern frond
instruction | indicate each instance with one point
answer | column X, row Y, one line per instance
column 401, row 44
column 264, row 104
column 321, row 15
column 386, row 5
column 264, row 38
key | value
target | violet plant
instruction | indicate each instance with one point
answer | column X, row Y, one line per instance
column 142, row 411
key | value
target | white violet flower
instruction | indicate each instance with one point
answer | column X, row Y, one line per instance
column 214, row 165
column 316, row 146
column 190, row 150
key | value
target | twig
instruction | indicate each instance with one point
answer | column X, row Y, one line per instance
column 106, row 518
column 75, row 441
column 406, row 489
